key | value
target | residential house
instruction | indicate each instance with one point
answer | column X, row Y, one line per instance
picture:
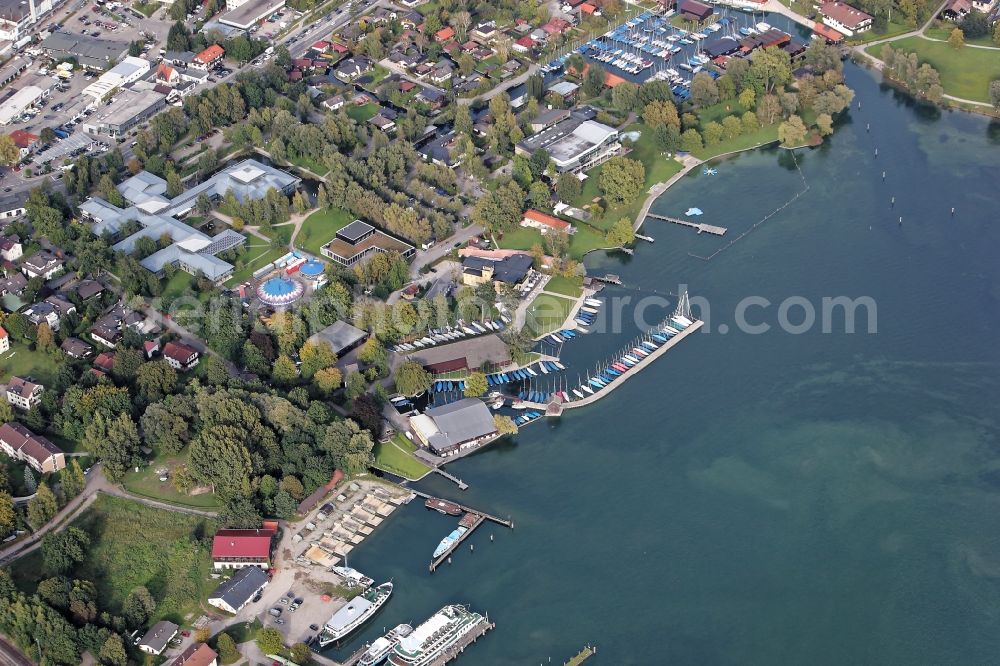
column 844, row 18
column 523, row 44
column 43, row 264
column 87, row 289
column 556, row 26
column 151, row 348
column 485, row 32
column 166, row 74
column 179, row 58
column 23, row 392
column 236, row 593
column 445, row 34
column 197, row 654
column 13, row 284
column 387, row 125
column 180, row 356
column 159, row 635
column 334, row 103
column 534, row 219
column 235, row 549
column 410, row 20
column 4, row 341
column 442, row 72
column 20, row 443
column 351, row 68
column 105, row 361
column 25, row 141
column 76, row 348
column 567, row 90
column 11, row 248
column 548, row 118
column 209, row 57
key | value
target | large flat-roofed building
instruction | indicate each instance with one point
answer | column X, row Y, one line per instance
column 130, row 108
column 17, row 16
column 468, row 354
column 90, row 52
column 19, row 102
column 574, row 144
column 341, row 336
column 245, row 14
column 192, row 250
column 448, row 429
column 358, row 240
column 128, row 70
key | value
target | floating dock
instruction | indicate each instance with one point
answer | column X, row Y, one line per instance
column 699, row 226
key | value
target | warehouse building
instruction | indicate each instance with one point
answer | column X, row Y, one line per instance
column 450, row 428
column 19, row 102
column 130, row 108
column 128, row 70
column 91, row 52
column 245, row 14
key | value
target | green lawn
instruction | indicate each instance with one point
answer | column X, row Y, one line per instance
column 561, row 284
column 146, row 482
column 547, row 313
column 148, row 9
column 944, row 33
column 361, row 114
column 177, row 285
column 312, row 165
column 22, row 361
column 658, row 170
column 131, row 545
column 320, row 227
column 891, row 30
column 521, row 238
column 255, row 257
column 762, row 136
column 396, row 456
column 965, row 73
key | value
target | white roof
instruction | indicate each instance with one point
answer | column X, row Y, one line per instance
column 347, row 614
column 247, row 173
column 413, row 642
column 18, row 102
column 424, row 425
column 593, row 131
column 194, row 244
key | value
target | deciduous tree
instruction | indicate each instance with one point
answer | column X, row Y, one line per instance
column 622, row 179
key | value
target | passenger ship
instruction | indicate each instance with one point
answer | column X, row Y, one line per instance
column 435, row 636
column 356, row 612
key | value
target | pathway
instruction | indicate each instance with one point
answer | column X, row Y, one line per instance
column 655, row 191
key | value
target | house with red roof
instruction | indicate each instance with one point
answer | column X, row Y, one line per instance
column 534, row 219
column 444, row 34
column 235, row 549
column 166, row 74
column 25, row 141
column 524, row 44
column 180, row 356
column 556, row 26
column 207, row 58
column 4, row 341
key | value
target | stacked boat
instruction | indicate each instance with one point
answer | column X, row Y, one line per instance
column 440, row 336
column 588, row 313
column 562, row 336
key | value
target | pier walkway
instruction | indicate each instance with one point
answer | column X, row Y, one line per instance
column 462, row 485
column 700, row 226
column 437, row 561
column 506, row 522
column 459, row 647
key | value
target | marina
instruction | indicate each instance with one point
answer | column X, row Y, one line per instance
column 471, row 520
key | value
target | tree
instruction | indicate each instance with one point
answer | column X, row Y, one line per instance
column 747, row 97
column 350, row 445
column 139, row 606
column 113, row 652
column 9, row 152
column 621, row 233
column 372, row 352
column 328, row 380
column 30, row 485
column 768, row 108
column 42, row 507
column 301, row 654
column 355, row 385
column 504, row 424
column 996, row 33
column 163, row 430
column 315, row 356
column 8, row 517
column 284, row 371
column 621, row 179
column 691, row 140
column 667, row 138
column 825, row 124
column 62, row 550
column 995, row 91
column 115, row 440
column 792, row 132
column 412, row 378
column 704, row 90
column 772, row 67
column 72, row 481
column 227, row 648
column 568, row 187
column 975, row 24
column 475, row 385
column 156, row 380
column 956, row 39
column 658, row 113
column 593, row 80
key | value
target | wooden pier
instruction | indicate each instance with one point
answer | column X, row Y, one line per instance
column 481, row 517
column 506, row 522
column 462, row 485
column 459, row 647
column 436, row 562
column 648, row 239
column 699, row 226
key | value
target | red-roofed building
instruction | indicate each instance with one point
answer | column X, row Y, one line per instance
column 587, row 8
column 235, row 549
column 4, row 341
column 545, row 223
column 180, row 356
column 844, row 18
column 208, row 57
column 524, row 44
column 829, row 34
column 444, row 34
column 166, row 74
column 322, row 47
column 25, row 141
column 105, row 361
column 556, row 26
column 340, row 48
column 196, row 654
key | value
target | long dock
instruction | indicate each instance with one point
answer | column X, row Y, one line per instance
column 699, row 226
column 462, row 485
column 506, row 522
column 436, row 562
column 459, row 647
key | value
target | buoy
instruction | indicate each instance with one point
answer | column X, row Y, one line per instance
column 893, row 201
column 868, row 127
column 953, row 211
column 491, row 537
column 876, row 152
column 883, row 175
column 900, row 220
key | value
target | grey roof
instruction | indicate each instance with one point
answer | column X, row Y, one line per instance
column 250, row 12
column 159, row 634
column 89, row 51
column 339, row 335
column 510, row 270
column 459, row 422
column 76, row 347
column 239, row 589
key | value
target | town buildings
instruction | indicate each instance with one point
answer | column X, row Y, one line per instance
column 235, row 549
column 180, row 356
column 197, row 654
column 4, row 341
column 23, row 392
column 576, row 143
column 236, row 593
column 155, row 640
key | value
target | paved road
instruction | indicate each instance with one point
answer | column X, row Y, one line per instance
column 11, row 656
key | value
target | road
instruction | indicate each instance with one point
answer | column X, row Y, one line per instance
column 11, row 656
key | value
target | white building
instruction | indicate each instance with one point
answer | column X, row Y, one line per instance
column 17, row 16
column 4, row 341
column 24, row 393
column 127, row 71
column 844, row 18
column 19, row 102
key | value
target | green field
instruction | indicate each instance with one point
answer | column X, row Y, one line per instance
column 965, row 73
column 944, row 33
column 255, row 257
column 133, row 545
column 521, row 238
column 764, row 135
column 22, row 361
column 362, row 113
column 547, row 313
column 320, row 227
column 891, row 30
column 146, row 482
column 396, row 456
column 563, row 285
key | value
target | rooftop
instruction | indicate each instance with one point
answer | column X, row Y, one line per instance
column 242, row 543
column 340, row 336
column 239, row 589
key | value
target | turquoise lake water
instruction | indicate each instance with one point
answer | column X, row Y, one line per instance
column 775, row 498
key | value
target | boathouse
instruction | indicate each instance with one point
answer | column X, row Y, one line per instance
column 447, row 429
column 693, row 10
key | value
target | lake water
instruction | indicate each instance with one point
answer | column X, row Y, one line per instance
column 774, row 498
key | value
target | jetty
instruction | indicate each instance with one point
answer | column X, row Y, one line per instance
column 437, row 561
column 481, row 517
column 462, row 485
column 699, row 226
column 608, row 278
column 464, row 642
column 648, row 239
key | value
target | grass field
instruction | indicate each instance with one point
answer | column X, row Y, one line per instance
column 944, row 33
column 320, row 227
column 395, row 456
column 547, row 313
column 309, row 164
column 891, row 30
column 762, row 136
column 146, row 482
column 22, row 361
column 563, row 285
column 362, row 113
column 257, row 255
column 133, row 545
column 965, row 73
